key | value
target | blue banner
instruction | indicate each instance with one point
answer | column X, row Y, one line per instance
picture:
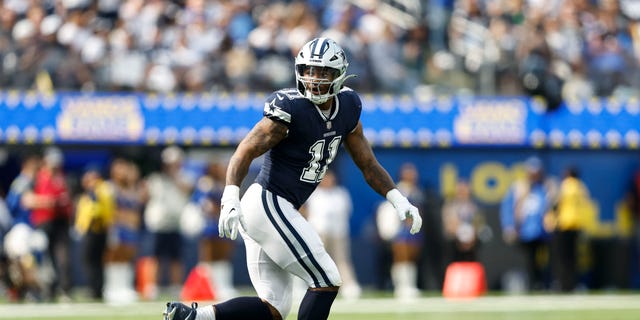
column 223, row 119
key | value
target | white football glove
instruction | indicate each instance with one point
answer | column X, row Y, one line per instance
column 405, row 209
column 230, row 214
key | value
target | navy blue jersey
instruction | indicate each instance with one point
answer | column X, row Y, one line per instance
column 294, row 167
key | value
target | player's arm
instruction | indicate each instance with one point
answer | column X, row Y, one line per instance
column 362, row 154
column 264, row 136
column 378, row 178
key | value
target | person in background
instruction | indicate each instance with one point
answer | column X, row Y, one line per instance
column 124, row 234
column 95, row 211
column 633, row 201
column 19, row 269
column 574, row 205
column 462, row 222
column 328, row 211
column 168, row 192
column 522, row 213
column 20, row 202
column 55, row 219
column 6, row 220
column 21, row 199
column 405, row 246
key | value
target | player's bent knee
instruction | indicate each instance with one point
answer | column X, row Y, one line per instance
column 333, row 276
column 279, row 308
column 277, row 315
column 334, row 288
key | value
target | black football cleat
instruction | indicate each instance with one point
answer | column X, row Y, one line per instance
column 179, row 311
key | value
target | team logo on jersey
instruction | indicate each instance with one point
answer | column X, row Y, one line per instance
column 329, row 125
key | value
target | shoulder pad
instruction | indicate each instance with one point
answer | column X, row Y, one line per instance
column 351, row 96
column 277, row 107
column 345, row 88
column 289, row 93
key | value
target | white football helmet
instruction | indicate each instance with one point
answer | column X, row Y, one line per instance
column 327, row 55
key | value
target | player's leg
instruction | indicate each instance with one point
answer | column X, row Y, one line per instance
column 272, row 284
column 278, row 241
column 241, row 308
column 297, row 248
column 317, row 301
column 270, row 281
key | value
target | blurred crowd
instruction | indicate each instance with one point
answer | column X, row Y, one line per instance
column 553, row 48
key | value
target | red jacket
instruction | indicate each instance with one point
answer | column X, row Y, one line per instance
column 51, row 184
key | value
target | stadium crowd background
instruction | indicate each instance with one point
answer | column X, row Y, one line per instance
column 549, row 47
column 561, row 50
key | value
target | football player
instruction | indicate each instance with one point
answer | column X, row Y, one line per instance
column 301, row 133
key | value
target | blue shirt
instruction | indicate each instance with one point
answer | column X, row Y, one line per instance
column 19, row 186
column 525, row 212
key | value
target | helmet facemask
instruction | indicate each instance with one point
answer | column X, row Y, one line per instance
column 318, row 83
column 320, row 68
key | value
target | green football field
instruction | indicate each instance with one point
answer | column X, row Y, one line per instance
column 525, row 307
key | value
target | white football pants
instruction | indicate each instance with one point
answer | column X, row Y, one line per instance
column 280, row 242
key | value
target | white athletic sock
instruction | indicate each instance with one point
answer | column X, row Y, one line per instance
column 119, row 283
column 404, row 276
column 113, row 282
column 128, row 287
column 205, row 313
column 397, row 276
column 411, row 272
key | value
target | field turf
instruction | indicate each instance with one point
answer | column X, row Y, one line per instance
column 524, row 307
